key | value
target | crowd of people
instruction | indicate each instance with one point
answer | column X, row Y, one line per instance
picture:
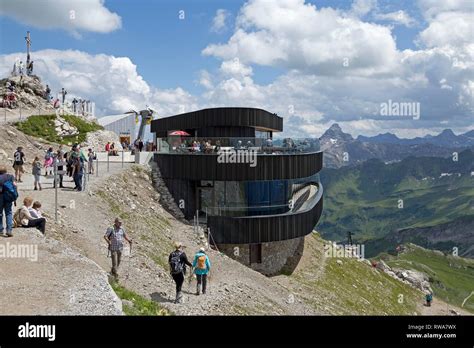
column 71, row 163
column 74, row 163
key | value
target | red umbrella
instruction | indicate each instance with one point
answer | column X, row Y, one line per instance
column 179, row 132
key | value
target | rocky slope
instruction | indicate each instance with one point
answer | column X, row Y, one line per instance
column 30, row 92
column 51, row 279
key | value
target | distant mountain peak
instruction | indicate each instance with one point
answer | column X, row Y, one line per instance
column 335, row 132
column 447, row 132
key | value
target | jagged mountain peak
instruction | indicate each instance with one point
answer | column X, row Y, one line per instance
column 336, row 133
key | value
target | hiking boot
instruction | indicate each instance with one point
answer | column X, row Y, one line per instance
column 179, row 298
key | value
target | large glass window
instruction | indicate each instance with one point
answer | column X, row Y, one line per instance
column 249, row 198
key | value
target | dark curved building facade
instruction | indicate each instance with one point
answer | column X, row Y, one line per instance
column 257, row 196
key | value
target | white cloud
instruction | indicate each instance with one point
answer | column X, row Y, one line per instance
column 235, row 68
column 71, row 15
column 449, row 28
column 113, row 83
column 431, row 8
column 398, row 17
column 219, row 21
column 295, row 35
column 360, row 8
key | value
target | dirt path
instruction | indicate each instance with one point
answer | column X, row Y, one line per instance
column 439, row 307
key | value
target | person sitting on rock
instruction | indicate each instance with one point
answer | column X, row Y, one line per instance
column 24, row 219
column 35, row 210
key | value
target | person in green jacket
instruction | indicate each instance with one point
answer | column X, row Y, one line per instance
column 201, row 267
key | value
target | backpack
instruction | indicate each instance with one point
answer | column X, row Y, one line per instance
column 175, row 262
column 201, row 262
column 9, row 192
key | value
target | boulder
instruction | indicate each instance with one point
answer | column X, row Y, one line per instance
column 381, row 265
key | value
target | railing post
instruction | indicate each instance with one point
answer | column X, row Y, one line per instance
column 55, row 190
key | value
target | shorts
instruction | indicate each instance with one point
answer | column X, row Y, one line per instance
column 19, row 167
column 37, row 177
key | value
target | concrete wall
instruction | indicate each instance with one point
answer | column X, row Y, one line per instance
column 277, row 257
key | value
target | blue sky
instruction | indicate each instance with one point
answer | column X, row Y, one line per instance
column 165, row 48
column 185, row 64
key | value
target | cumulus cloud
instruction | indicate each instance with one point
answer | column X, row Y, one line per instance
column 295, row 35
column 113, row 83
column 397, row 17
column 361, row 8
column 71, row 15
column 219, row 21
column 449, row 28
column 431, row 8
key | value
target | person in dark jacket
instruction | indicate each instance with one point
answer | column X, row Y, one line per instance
column 6, row 207
column 178, row 262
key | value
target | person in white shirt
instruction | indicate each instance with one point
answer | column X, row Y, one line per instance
column 35, row 210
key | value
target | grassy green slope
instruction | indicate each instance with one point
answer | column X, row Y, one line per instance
column 365, row 199
column 451, row 277
column 42, row 126
column 349, row 288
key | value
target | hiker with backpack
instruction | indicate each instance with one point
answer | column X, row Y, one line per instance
column 428, row 298
column 18, row 162
column 114, row 238
column 178, row 262
column 201, row 267
column 8, row 195
column 24, row 218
